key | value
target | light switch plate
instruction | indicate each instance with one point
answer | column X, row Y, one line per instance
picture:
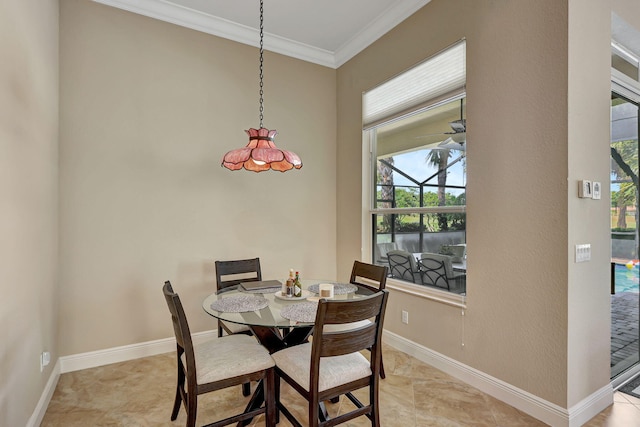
column 583, row 252
column 595, row 190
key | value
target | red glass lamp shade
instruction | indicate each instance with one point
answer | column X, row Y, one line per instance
column 261, row 154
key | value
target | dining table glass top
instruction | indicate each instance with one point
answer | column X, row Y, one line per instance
column 268, row 308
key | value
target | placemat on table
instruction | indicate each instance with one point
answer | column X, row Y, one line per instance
column 338, row 288
column 239, row 304
column 304, row 312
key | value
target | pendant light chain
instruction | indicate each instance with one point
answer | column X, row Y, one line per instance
column 261, row 61
column 261, row 153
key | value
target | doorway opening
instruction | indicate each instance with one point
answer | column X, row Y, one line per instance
column 625, row 263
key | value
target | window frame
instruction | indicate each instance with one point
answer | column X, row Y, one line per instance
column 369, row 171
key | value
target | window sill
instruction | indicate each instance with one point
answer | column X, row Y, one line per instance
column 443, row 297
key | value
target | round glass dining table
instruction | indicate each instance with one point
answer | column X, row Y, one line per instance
column 269, row 324
column 274, row 323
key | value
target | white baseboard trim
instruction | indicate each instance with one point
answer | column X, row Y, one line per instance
column 38, row 414
column 93, row 359
column 535, row 406
column 591, row 406
column 107, row 356
column 538, row 408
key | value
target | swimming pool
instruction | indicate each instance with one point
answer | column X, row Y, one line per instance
column 627, row 279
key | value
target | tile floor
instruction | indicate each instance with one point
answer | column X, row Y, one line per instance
column 625, row 322
column 140, row 393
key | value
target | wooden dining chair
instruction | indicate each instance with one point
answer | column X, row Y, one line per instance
column 217, row 364
column 232, row 273
column 375, row 277
column 332, row 365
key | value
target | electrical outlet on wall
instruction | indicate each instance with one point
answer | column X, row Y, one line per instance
column 45, row 359
column 405, row 317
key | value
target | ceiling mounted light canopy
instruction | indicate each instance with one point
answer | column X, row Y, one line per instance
column 261, row 153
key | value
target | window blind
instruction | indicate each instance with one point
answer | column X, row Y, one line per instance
column 439, row 77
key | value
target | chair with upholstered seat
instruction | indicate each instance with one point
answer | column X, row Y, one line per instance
column 332, row 365
column 375, row 276
column 437, row 270
column 232, row 273
column 217, row 364
column 402, row 265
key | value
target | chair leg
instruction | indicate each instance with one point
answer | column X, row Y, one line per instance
column 179, row 388
column 276, row 393
column 176, row 405
column 382, row 374
column 375, row 404
column 314, row 413
column 192, row 405
column 246, row 389
column 270, row 398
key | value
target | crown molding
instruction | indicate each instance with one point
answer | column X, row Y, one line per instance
column 391, row 17
column 167, row 11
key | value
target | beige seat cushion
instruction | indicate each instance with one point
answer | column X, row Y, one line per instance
column 334, row 371
column 346, row 326
column 236, row 328
column 228, row 357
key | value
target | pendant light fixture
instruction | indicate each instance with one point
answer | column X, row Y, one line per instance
column 261, row 153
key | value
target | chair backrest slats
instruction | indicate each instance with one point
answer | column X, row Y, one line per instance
column 234, row 272
column 345, row 342
column 180, row 327
column 358, row 309
column 375, row 275
column 337, row 343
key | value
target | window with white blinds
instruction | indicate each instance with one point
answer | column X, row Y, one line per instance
column 415, row 181
column 440, row 77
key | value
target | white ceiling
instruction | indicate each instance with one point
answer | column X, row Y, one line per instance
column 326, row 32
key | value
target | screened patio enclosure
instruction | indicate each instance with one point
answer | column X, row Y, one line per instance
column 420, row 182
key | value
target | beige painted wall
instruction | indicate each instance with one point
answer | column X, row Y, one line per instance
column 589, row 95
column 29, row 194
column 147, row 111
column 529, row 120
